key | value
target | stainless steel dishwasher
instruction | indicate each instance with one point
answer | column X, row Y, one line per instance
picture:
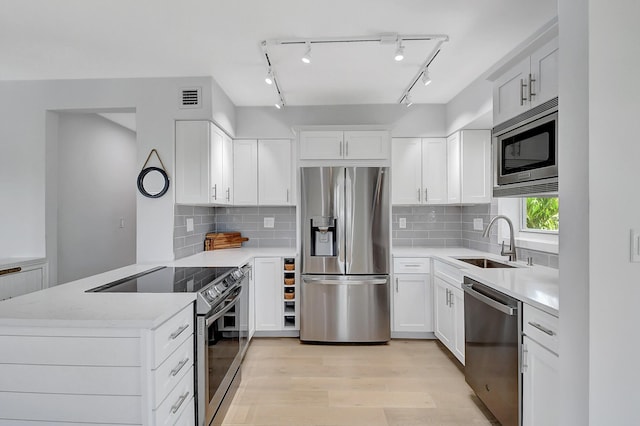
column 493, row 324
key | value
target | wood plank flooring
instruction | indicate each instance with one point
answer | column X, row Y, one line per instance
column 403, row 383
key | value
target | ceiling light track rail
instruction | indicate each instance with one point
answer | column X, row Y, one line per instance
column 424, row 71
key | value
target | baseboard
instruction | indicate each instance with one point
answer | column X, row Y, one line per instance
column 413, row 335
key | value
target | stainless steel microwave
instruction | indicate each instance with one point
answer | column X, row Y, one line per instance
column 527, row 153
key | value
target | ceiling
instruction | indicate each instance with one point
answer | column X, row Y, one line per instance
column 71, row 39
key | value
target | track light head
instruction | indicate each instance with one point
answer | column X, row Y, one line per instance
column 269, row 77
column 399, row 55
column 426, row 80
column 307, row 55
column 407, row 100
column 278, row 105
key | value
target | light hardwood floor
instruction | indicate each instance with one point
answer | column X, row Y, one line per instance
column 406, row 382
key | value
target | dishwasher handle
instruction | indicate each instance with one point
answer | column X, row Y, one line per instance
column 506, row 309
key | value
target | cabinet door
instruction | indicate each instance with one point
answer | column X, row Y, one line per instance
column 268, row 294
column 443, row 328
column 508, row 92
column 368, row 144
column 192, row 162
column 434, row 170
column 539, row 385
column 274, row 172
column 406, row 171
column 245, row 172
column 544, row 70
column 23, row 282
column 412, row 303
column 252, row 303
column 227, row 169
column 453, row 169
column 457, row 308
column 321, row 145
column 475, row 166
column 216, row 165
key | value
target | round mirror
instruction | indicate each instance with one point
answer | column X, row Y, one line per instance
column 153, row 182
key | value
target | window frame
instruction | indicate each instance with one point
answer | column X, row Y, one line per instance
column 523, row 220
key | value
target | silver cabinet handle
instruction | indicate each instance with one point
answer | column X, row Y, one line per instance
column 412, row 265
column 178, row 367
column 542, row 328
column 287, row 195
column 175, row 407
column 525, row 353
column 178, row 332
column 531, row 81
column 426, row 195
column 418, row 194
column 215, row 192
column 451, row 299
column 340, row 148
column 523, row 97
column 447, row 297
column 228, row 194
column 346, row 150
column 396, row 284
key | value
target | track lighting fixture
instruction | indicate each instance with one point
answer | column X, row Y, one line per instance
column 278, row 105
column 269, row 77
column 307, row 55
column 426, row 80
column 407, row 100
column 399, row 52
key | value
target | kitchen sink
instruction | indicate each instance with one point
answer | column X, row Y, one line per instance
column 483, row 262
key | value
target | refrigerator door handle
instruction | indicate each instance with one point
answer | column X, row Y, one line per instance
column 339, row 203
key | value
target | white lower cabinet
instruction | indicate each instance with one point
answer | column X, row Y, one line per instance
column 449, row 308
column 98, row 375
column 540, row 368
column 412, row 295
column 19, row 279
column 268, row 294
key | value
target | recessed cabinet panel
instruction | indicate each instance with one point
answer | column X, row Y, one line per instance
column 406, row 169
column 475, row 166
column 412, row 303
column 245, row 172
column 510, row 91
column 366, row 145
column 275, row 173
column 539, row 385
column 268, row 293
column 544, row 69
column 321, row 145
column 192, row 162
column 453, row 169
column 434, row 170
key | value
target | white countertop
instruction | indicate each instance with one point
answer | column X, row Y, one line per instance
column 535, row 285
column 232, row 257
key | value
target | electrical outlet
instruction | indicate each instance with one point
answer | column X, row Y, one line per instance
column 269, row 222
column 402, row 222
column 477, row 224
column 189, row 224
column 635, row 245
column 122, row 222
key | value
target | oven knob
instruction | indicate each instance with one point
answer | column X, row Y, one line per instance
column 212, row 294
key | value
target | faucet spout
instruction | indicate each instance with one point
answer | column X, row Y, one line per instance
column 512, row 241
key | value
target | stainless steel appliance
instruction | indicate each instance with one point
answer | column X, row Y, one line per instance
column 345, row 254
column 492, row 322
column 222, row 319
column 527, row 152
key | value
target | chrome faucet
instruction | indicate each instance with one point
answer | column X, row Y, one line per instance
column 512, row 241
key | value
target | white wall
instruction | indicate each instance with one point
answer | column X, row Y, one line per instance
column 419, row 120
column 472, row 106
column 96, row 188
column 23, row 133
column 598, row 155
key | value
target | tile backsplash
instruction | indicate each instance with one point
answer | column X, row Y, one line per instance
column 250, row 221
column 427, row 226
column 186, row 243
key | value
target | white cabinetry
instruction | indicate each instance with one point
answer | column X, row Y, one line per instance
column 268, row 295
column 469, row 167
column 412, row 296
column 245, row 172
column 527, row 84
column 540, row 368
column 98, row 375
column 275, row 173
column 449, row 308
column 419, row 168
column 336, row 145
column 22, row 278
column 204, row 161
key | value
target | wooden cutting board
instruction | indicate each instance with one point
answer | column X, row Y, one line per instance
column 222, row 240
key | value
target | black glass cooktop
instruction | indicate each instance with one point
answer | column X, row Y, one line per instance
column 166, row 280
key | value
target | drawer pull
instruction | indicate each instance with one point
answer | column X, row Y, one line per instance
column 175, row 407
column 178, row 367
column 412, row 265
column 542, row 328
column 178, row 332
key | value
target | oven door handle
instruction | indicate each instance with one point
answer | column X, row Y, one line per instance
column 226, row 309
column 489, row 301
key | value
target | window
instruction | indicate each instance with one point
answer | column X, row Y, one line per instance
column 540, row 215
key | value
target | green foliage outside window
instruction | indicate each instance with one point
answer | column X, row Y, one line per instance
column 542, row 213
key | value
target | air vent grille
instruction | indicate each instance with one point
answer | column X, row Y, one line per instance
column 190, row 97
column 530, row 189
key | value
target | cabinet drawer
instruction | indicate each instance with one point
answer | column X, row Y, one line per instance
column 165, row 377
column 171, row 334
column 411, row 265
column 449, row 273
column 188, row 416
column 541, row 327
column 177, row 402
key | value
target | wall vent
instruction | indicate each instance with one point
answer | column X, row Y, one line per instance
column 191, row 97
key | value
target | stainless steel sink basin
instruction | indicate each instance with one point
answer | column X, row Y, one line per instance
column 483, row 262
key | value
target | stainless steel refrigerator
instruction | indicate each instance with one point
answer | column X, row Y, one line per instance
column 345, row 254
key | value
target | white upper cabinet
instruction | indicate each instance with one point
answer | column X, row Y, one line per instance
column 469, row 167
column 344, row 145
column 245, row 172
column 419, row 170
column 275, row 180
column 204, row 161
column 529, row 83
